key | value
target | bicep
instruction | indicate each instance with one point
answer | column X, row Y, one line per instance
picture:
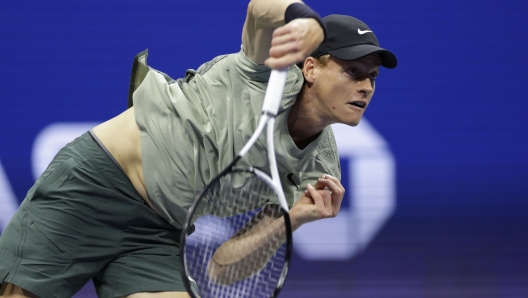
column 263, row 16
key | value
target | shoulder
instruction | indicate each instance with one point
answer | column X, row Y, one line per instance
column 238, row 67
column 230, row 63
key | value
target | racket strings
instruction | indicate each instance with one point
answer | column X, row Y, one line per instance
column 231, row 207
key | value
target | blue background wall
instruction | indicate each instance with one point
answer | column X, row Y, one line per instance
column 453, row 113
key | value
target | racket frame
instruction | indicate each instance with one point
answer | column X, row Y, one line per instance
column 270, row 108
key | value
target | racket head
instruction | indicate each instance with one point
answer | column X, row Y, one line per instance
column 222, row 209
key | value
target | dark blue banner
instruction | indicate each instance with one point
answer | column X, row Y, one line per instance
column 436, row 173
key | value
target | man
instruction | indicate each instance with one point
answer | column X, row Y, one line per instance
column 111, row 204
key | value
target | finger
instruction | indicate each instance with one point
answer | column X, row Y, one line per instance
column 336, row 181
column 282, row 39
column 327, row 199
column 284, row 49
column 338, row 195
column 337, row 191
column 282, row 31
column 336, row 204
column 331, row 185
column 318, row 199
column 284, row 54
column 319, row 185
column 282, row 62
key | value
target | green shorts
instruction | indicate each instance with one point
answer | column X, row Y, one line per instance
column 84, row 220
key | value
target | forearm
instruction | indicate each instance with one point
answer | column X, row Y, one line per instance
column 263, row 16
column 251, row 248
column 243, row 256
column 269, row 13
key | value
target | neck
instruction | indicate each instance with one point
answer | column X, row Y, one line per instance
column 304, row 124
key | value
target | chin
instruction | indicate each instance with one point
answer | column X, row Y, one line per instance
column 352, row 122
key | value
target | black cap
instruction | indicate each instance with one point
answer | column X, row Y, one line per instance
column 349, row 38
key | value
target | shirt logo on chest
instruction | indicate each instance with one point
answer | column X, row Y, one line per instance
column 291, row 179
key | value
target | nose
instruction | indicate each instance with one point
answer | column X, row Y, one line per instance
column 365, row 86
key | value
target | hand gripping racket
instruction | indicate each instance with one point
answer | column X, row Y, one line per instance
column 241, row 244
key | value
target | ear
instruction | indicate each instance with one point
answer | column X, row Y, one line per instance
column 309, row 69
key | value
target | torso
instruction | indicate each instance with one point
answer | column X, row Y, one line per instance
column 189, row 133
column 121, row 136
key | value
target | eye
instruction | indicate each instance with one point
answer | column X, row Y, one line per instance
column 373, row 75
column 353, row 72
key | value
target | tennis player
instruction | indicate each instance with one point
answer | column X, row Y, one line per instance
column 111, row 204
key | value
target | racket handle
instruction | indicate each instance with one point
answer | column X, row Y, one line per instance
column 274, row 91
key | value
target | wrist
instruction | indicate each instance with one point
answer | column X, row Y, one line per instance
column 294, row 220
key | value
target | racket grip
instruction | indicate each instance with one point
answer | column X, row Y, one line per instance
column 274, row 91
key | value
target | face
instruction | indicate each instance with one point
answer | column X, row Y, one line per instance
column 343, row 89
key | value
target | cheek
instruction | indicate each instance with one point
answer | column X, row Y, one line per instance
column 326, row 88
column 336, row 88
column 339, row 84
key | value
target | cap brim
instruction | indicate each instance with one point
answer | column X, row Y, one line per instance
column 388, row 59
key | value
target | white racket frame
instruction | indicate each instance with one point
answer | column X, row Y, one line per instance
column 270, row 107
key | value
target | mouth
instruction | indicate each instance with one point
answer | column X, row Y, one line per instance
column 359, row 104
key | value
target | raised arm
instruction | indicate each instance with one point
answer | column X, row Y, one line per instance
column 267, row 39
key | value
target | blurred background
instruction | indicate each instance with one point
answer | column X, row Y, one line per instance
column 436, row 174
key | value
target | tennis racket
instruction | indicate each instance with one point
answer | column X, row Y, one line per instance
column 237, row 238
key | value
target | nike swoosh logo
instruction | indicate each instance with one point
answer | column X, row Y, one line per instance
column 290, row 178
column 363, row 32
